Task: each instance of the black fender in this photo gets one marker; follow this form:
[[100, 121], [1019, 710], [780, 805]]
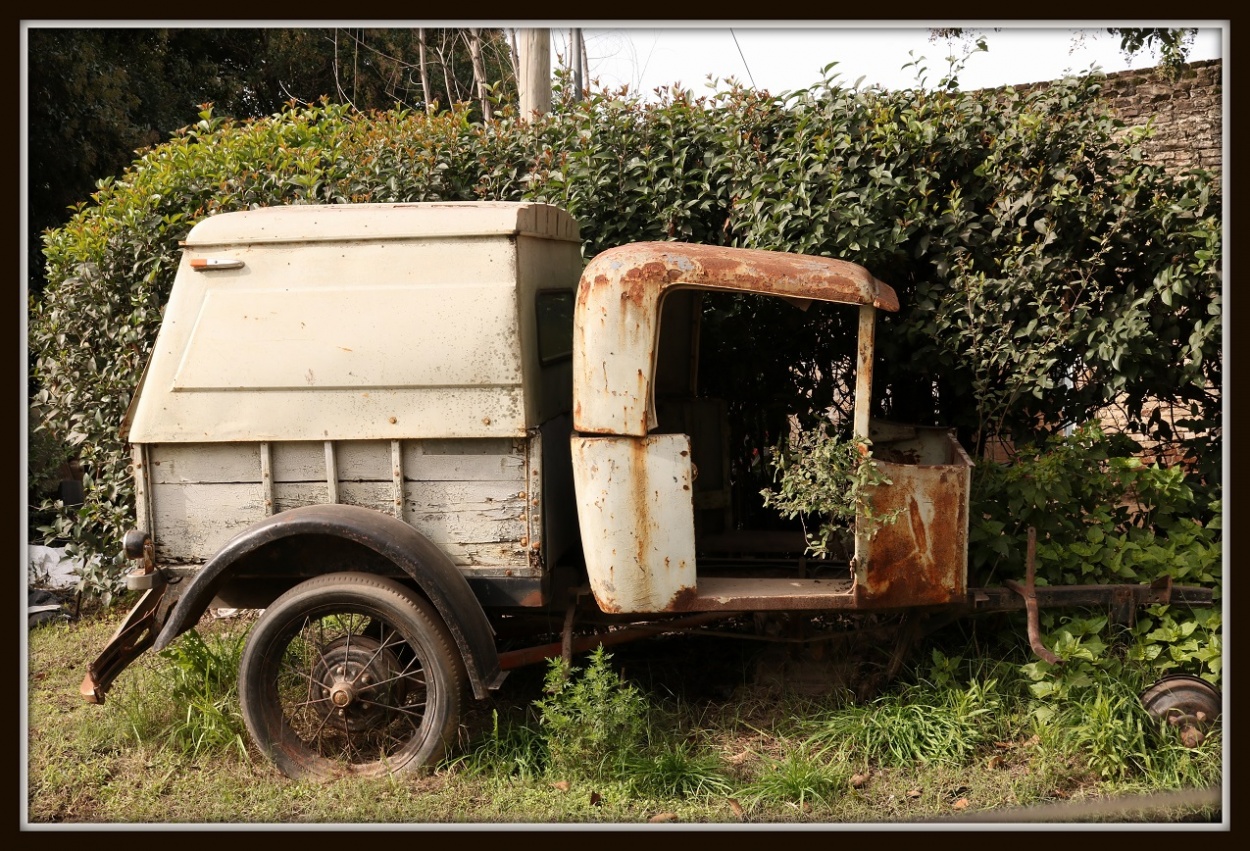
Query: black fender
[[428, 566]]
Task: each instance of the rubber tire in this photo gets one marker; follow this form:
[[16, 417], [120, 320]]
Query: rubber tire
[[378, 597]]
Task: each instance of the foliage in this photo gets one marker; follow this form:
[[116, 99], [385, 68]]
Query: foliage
[[1101, 515], [676, 770], [592, 719], [99, 94], [1161, 642], [198, 711], [45, 457], [1108, 730], [1172, 44], [83, 769], [920, 724], [832, 477], [1044, 270], [508, 750], [795, 779]]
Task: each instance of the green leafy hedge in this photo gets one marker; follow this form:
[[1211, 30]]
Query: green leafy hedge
[[1043, 268]]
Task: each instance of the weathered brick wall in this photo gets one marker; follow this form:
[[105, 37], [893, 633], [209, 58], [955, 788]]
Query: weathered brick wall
[[1188, 112]]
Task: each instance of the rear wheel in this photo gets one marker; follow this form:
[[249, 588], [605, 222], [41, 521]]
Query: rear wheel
[[1190, 705], [351, 674]]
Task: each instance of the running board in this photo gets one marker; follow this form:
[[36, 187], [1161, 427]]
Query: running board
[[733, 594]]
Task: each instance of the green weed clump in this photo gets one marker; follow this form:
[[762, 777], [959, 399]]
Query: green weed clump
[[921, 724], [592, 719], [798, 778], [679, 770], [192, 703], [593, 725]]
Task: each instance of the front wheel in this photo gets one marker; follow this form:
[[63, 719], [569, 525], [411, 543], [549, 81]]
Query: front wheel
[[350, 674]]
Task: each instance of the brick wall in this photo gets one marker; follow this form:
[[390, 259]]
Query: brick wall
[[1188, 112]]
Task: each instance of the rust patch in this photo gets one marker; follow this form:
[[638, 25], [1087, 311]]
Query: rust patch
[[921, 558], [683, 600], [651, 266]]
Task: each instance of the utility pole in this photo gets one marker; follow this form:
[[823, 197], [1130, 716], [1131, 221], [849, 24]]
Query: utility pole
[[534, 83], [575, 61]]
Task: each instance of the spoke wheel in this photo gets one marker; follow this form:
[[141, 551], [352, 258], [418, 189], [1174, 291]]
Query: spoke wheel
[[1190, 705], [350, 674]]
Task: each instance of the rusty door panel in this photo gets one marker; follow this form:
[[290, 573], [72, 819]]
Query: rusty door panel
[[635, 509], [922, 557]]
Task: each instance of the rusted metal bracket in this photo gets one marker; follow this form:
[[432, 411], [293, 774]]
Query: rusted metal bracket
[[1030, 601], [136, 634]]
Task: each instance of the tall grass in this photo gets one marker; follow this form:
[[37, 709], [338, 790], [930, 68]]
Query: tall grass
[[920, 724], [189, 700], [784, 758]]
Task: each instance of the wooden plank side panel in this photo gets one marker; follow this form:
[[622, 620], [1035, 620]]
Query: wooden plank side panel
[[474, 522], [194, 521], [204, 462], [467, 496], [422, 460]]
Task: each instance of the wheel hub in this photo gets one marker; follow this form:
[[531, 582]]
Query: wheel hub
[[356, 682]]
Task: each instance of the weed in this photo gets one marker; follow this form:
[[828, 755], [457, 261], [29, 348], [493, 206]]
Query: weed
[[592, 719], [796, 779], [508, 750], [677, 771], [1106, 728], [921, 724], [199, 711]]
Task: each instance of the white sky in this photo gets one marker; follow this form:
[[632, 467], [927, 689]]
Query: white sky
[[784, 57]]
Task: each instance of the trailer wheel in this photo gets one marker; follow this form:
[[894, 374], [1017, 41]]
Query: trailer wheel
[[1191, 705], [350, 674]]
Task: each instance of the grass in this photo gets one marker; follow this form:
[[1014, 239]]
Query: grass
[[705, 744]]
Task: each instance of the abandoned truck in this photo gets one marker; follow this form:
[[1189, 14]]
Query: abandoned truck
[[399, 430]]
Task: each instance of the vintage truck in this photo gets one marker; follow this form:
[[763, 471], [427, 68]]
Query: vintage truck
[[406, 430]]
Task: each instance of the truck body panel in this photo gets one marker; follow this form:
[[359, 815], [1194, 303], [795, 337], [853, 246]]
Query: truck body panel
[[345, 320], [636, 513], [397, 357]]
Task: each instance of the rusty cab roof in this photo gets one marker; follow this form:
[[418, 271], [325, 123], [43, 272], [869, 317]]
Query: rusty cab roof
[[617, 318]]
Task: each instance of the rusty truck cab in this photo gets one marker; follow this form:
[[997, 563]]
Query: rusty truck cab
[[642, 483]]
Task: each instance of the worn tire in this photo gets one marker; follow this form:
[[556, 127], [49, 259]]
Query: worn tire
[[351, 674]]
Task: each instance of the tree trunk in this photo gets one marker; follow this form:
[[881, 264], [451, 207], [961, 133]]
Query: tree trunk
[[585, 59], [442, 60], [515, 55], [479, 72], [534, 84], [574, 61], [425, 74]]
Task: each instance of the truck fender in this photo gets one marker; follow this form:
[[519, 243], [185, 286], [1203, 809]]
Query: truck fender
[[428, 566]]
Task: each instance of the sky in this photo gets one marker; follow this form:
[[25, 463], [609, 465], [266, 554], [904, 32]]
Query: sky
[[785, 57]]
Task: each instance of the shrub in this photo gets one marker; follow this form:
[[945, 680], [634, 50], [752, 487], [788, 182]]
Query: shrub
[[1044, 270]]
